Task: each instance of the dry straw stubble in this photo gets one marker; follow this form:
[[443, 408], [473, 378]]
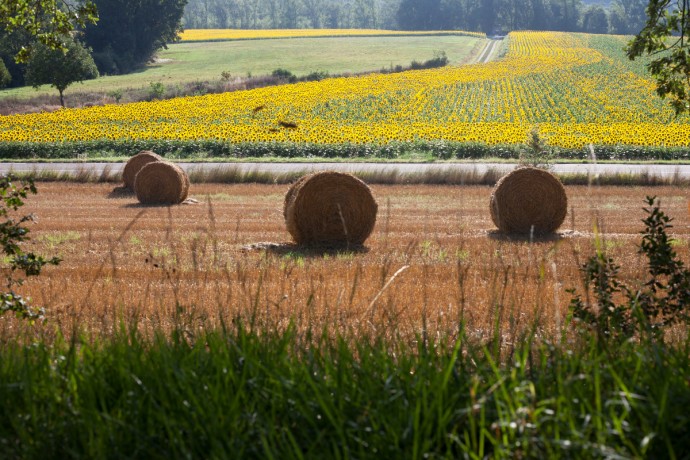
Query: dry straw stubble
[[161, 182], [528, 200], [134, 165], [330, 208]]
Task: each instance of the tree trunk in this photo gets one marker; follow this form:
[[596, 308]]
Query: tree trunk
[[62, 99]]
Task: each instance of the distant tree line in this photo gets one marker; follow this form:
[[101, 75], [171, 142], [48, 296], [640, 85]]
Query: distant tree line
[[490, 16], [291, 14]]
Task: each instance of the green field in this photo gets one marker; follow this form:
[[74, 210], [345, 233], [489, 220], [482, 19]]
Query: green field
[[189, 62]]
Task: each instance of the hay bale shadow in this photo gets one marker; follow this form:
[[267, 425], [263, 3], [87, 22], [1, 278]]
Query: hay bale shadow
[[306, 250], [188, 201], [154, 205], [121, 192], [550, 237]]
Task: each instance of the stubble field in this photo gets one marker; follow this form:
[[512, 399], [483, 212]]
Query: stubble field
[[433, 261]]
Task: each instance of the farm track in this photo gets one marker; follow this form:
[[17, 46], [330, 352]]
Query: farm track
[[122, 260], [662, 171], [488, 54]]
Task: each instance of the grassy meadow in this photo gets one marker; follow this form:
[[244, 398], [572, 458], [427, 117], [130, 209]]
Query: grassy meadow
[[189, 62]]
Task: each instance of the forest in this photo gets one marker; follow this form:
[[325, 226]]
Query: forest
[[490, 16]]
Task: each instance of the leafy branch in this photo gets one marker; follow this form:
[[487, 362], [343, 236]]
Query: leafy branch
[[13, 233]]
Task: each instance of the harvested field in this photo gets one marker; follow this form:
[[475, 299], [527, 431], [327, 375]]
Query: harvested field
[[197, 264]]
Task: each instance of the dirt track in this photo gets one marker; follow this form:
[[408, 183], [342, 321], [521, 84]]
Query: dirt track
[[402, 168]]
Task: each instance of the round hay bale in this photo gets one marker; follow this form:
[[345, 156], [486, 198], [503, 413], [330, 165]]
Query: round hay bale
[[330, 208], [528, 200], [135, 163], [291, 193], [161, 182]]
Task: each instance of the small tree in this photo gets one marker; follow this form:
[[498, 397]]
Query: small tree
[[12, 234], [60, 69], [536, 152]]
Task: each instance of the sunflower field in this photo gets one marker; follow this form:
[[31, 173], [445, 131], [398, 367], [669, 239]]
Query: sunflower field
[[576, 89], [205, 35]]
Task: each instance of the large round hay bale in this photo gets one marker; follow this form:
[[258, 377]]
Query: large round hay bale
[[135, 163], [528, 200], [330, 208], [291, 193], [161, 182]]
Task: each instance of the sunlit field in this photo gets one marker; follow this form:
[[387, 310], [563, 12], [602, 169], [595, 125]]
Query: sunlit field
[[576, 89], [253, 34], [437, 245]]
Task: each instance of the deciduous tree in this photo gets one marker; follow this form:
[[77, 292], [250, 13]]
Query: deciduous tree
[[130, 32], [665, 38], [49, 21], [58, 68]]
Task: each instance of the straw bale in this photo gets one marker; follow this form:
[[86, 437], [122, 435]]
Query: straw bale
[[528, 200], [291, 193], [135, 163], [330, 208], [161, 182]]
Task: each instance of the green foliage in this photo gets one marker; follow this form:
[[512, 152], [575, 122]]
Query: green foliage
[[60, 69], [536, 152], [130, 32], [48, 21], [443, 150], [251, 393], [156, 90], [12, 234], [116, 94], [439, 60], [621, 310], [285, 75], [5, 77], [664, 37]]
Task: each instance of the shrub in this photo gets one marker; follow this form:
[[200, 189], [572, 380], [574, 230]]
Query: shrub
[[283, 74], [646, 310], [12, 234], [156, 90]]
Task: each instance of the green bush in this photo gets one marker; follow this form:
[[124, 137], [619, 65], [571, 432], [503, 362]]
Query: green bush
[[618, 310], [13, 233]]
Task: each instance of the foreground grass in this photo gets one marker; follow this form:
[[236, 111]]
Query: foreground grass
[[238, 393]]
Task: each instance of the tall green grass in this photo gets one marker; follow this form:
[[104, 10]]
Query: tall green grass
[[243, 393]]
